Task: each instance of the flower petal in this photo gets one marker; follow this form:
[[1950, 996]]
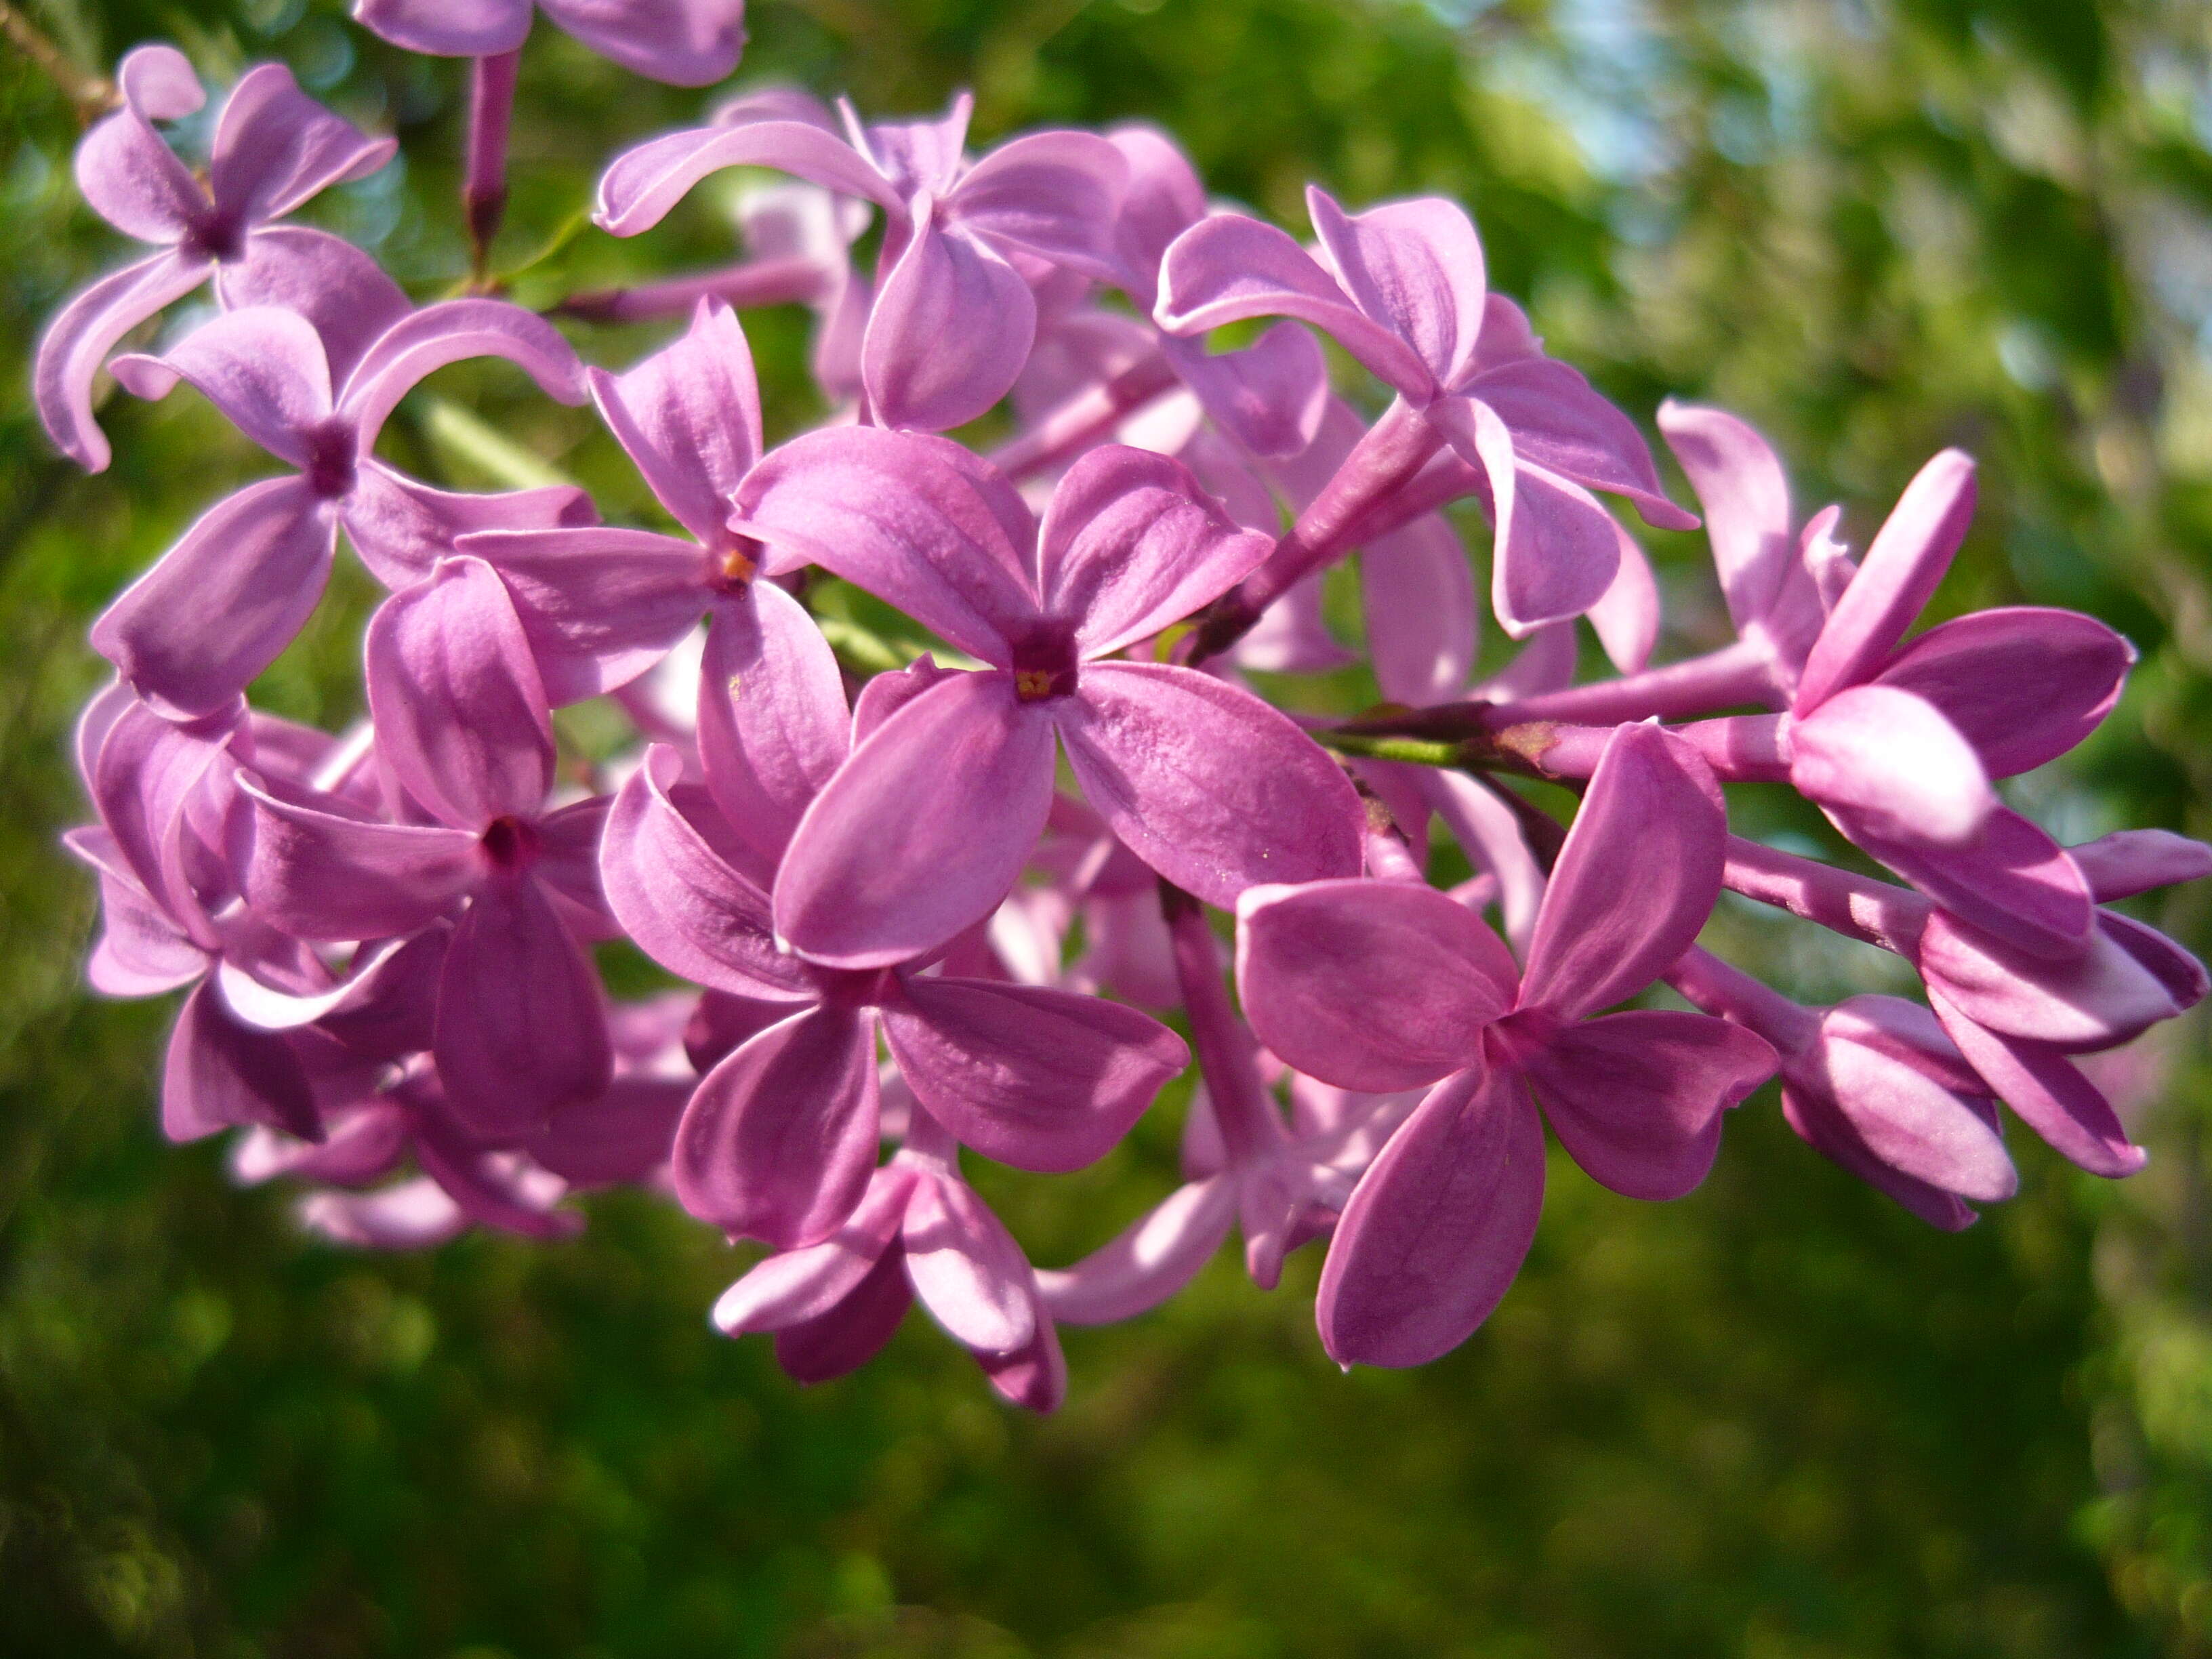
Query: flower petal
[[1638, 877], [919, 521], [77, 342], [1054, 195], [922, 831], [1042, 1079], [1561, 424], [1147, 1261], [275, 146], [460, 711], [1637, 1098], [689, 417], [793, 1287], [968, 1273], [1416, 267], [2100, 998], [219, 1074], [779, 1139], [1269, 396], [852, 1332], [447, 28], [522, 1027], [1206, 783], [2014, 881], [318, 873], [2049, 1093], [773, 727], [338, 289], [1903, 566], [1746, 495], [1369, 985], [1439, 1226], [1422, 624], [220, 605], [598, 605], [2023, 684], [1895, 764], [680, 899], [401, 527], [448, 333], [953, 325], [685, 43], [643, 183], [1132, 542]]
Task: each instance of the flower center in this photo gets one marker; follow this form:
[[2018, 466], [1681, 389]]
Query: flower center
[[329, 468], [1044, 662], [510, 844], [217, 235], [739, 563]]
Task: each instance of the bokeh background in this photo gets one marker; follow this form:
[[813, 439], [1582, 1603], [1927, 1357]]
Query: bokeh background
[[1777, 1418]]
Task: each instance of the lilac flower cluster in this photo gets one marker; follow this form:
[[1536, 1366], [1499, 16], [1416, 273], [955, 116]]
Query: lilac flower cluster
[[909, 925]]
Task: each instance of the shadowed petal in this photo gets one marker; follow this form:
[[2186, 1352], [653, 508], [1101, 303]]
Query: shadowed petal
[[85, 331], [1422, 624], [1439, 1226], [1637, 1098], [1269, 396], [780, 1138], [772, 722], [599, 605], [2050, 1096], [1561, 424], [338, 289], [953, 325], [2015, 881], [689, 415], [1555, 550], [923, 831], [401, 527], [796, 1286], [685, 43], [2131, 861], [1042, 1079], [2023, 684], [522, 1029], [1055, 195], [219, 1074], [1369, 985], [2104, 996], [275, 146], [1899, 1110], [318, 874], [852, 1332], [1206, 783]]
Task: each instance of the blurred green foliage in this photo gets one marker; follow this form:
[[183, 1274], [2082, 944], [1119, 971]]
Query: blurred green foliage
[[1777, 1418]]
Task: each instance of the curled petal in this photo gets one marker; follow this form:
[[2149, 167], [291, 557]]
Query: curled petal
[[2014, 881], [1229, 268], [1555, 550], [1206, 783], [522, 1029], [448, 333], [401, 527], [2024, 685], [619, 1138], [1900, 1110], [221, 1075], [2131, 861], [316, 873], [340, 290], [1746, 495], [460, 711], [780, 1138], [2099, 998], [919, 521], [953, 325], [1439, 1226], [1054, 195], [2050, 1095], [1891, 761], [127, 172], [679, 897], [796, 1286], [1906, 560], [685, 43], [263, 368], [1637, 876], [1042, 1079], [218, 607], [642, 185], [923, 831], [1822, 1125], [1034, 1375], [1369, 985], [275, 146], [77, 342], [599, 605], [1130, 544], [1637, 1098], [1561, 424], [1147, 1261], [852, 1332], [1269, 396], [1414, 267]]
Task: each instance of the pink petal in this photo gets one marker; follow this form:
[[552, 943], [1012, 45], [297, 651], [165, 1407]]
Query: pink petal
[[1904, 1115], [886, 693], [772, 721], [1822, 1125], [1268, 396], [1439, 1226], [1042, 1079], [779, 1139], [1891, 761], [1746, 495], [1416, 267], [323, 874], [449, 333], [1555, 550], [685, 43], [522, 1029], [598, 605], [2024, 685], [1034, 1375], [1147, 1261], [85, 331], [219, 1074], [1164, 196], [1369, 985], [793, 1287], [263, 368], [1637, 876], [497, 1189], [1226, 268], [919, 521], [1487, 830], [2102, 997], [1130, 544], [401, 527], [2014, 882], [275, 146], [680, 899], [447, 28], [1563, 427], [2130, 861], [2052, 1098], [968, 1273], [460, 713], [618, 1140], [1206, 783], [410, 1215], [922, 831], [852, 1332], [1906, 560], [1054, 195], [1422, 624], [126, 171], [221, 603], [338, 289], [1627, 617], [953, 325], [643, 183], [1637, 1098], [689, 417]]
